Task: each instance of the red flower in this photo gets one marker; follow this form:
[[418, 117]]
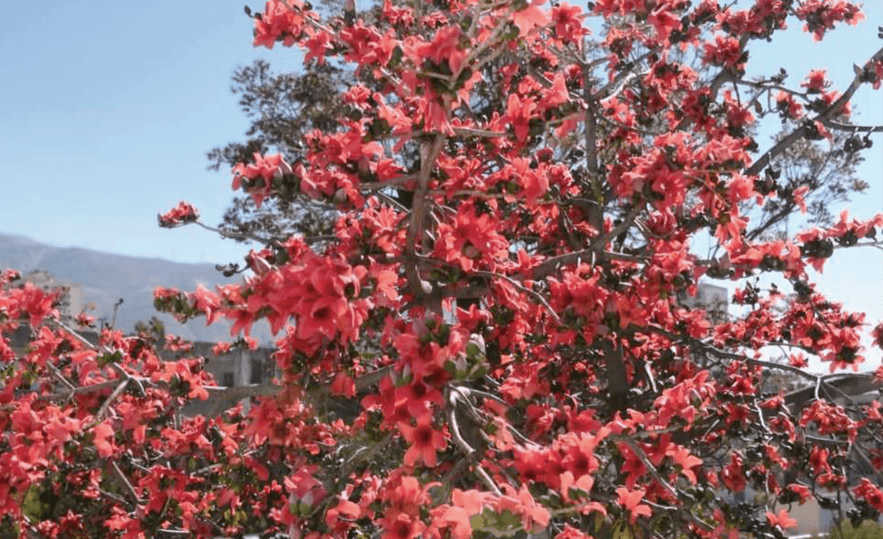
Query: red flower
[[425, 441], [783, 519], [630, 500], [103, 440], [257, 178], [821, 15], [580, 459], [417, 396], [816, 81], [530, 17], [403, 527], [801, 490], [444, 47], [568, 26], [519, 112], [818, 460], [878, 335], [278, 22], [724, 51], [181, 214], [733, 475], [456, 516], [870, 493], [787, 105], [687, 462], [798, 360], [522, 503], [34, 303]]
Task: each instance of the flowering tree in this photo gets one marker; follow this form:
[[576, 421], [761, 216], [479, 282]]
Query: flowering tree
[[491, 344], [284, 106]]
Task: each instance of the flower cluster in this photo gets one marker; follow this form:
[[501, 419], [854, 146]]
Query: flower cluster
[[257, 178], [181, 214]]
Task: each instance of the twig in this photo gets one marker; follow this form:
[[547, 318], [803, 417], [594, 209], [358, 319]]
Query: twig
[[362, 383], [795, 135], [515, 432], [534, 294], [125, 481], [398, 181], [78, 390], [722, 354], [455, 428], [665, 485], [474, 53], [636, 449], [112, 496], [760, 416], [852, 128], [613, 87], [238, 235], [106, 404], [550, 265], [595, 248], [487, 480], [61, 377], [468, 449], [77, 335], [473, 132], [32, 533]]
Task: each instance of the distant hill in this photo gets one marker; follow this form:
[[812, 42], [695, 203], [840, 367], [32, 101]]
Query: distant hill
[[106, 277]]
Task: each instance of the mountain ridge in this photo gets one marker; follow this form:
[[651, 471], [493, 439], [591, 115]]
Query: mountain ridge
[[105, 277]]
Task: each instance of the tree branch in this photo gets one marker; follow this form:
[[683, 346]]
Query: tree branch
[[453, 395], [126, 482], [832, 110], [429, 152]]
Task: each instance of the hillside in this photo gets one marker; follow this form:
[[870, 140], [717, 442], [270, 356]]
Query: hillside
[[106, 277]]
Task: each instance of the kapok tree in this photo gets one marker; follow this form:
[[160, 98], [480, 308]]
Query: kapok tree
[[491, 344]]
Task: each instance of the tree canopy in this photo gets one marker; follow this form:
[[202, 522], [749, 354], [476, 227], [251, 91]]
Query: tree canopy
[[490, 339]]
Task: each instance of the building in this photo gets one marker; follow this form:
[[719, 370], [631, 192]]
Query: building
[[71, 303], [240, 368], [714, 299]]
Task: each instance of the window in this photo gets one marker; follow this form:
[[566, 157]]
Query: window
[[257, 372], [227, 379]]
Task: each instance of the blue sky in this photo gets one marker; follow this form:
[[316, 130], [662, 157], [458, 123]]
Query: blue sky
[[852, 276], [107, 110]]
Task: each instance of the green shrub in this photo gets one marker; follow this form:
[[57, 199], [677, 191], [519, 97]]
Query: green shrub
[[867, 530]]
